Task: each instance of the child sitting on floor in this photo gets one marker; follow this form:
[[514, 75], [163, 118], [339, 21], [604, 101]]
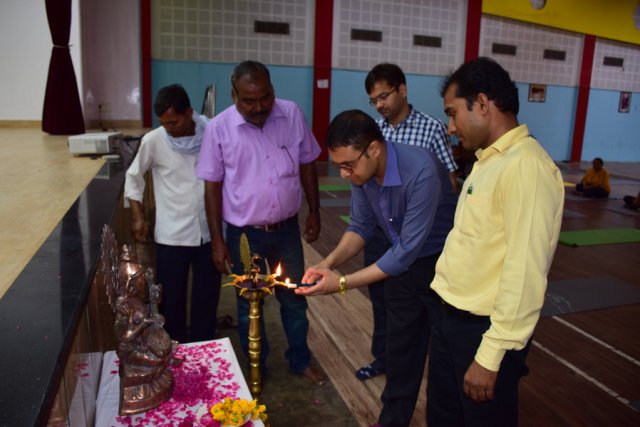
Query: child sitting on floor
[[595, 183]]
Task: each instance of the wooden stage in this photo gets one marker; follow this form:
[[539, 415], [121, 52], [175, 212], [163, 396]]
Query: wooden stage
[[585, 366], [39, 181]]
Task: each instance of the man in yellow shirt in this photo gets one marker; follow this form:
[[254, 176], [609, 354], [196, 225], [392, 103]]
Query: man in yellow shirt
[[492, 274], [595, 183]]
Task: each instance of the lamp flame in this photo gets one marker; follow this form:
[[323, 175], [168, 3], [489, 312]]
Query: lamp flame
[[289, 285], [279, 270]]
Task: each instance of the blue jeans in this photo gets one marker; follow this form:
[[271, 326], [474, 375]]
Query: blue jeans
[[278, 246]]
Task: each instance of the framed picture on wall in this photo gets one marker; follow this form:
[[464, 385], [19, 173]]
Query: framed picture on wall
[[625, 102], [537, 93]]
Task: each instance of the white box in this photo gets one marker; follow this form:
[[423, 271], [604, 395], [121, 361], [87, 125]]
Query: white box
[[93, 143]]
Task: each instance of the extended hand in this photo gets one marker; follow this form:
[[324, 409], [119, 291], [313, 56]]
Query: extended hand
[[326, 282], [479, 383]]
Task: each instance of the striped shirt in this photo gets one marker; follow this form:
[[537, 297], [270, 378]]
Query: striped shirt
[[424, 131]]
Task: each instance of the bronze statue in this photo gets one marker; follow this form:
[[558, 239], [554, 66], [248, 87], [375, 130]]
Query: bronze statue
[[144, 348]]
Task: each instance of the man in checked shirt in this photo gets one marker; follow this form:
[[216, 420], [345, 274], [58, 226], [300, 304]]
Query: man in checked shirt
[[386, 85]]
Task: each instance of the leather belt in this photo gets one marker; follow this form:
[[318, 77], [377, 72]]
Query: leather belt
[[277, 225], [454, 311]]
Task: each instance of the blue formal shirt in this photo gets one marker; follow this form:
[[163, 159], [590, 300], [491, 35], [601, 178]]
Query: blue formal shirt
[[414, 207]]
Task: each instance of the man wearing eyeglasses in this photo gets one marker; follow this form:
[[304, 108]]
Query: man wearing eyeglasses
[[406, 192], [386, 85]]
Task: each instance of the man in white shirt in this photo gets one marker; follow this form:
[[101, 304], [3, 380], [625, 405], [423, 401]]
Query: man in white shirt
[[181, 232]]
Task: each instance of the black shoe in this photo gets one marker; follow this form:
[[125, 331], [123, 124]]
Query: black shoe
[[367, 372]]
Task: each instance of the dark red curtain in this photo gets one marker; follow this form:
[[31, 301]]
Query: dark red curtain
[[62, 113]]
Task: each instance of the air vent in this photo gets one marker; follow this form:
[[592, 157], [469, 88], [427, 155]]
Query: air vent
[[271, 27], [613, 62], [428, 41], [504, 49], [556, 55], [366, 35]]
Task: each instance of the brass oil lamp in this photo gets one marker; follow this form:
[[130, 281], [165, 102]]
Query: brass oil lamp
[[254, 286]]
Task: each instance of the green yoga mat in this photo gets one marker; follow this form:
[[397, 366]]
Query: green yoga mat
[[600, 236], [345, 218], [335, 187]]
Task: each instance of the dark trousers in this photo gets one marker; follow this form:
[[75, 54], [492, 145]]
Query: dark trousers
[[172, 271], [593, 192], [454, 342], [374, 249], [409, 302]]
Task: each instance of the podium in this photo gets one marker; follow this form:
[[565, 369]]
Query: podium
[[209, 373]]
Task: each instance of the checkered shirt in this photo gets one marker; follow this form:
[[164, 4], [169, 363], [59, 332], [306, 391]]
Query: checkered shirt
[[422, 130]]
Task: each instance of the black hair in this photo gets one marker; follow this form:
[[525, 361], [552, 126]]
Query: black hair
[[484, 75], [352, 128], [171, 96], [390, 73], [599, 159], [253, 69]]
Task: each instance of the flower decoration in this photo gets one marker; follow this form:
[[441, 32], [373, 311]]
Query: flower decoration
[[237, 412]]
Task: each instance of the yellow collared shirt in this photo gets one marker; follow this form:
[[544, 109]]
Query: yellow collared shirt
[[497, 256]]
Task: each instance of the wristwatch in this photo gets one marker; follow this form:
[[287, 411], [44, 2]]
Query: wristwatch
[[342, 285]]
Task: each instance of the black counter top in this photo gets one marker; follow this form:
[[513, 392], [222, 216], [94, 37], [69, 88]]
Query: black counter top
[[39, 313]]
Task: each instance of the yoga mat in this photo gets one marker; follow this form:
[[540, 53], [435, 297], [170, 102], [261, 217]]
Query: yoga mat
[[570, 196], [622, 210], [591, 293], [567, 213], [335, 203], [335, 187], [600, 236], [346, 218]]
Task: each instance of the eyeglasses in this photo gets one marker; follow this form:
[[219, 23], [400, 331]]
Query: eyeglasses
[[382, 97], [350, 166]]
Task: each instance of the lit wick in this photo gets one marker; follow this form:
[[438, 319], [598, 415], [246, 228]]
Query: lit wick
[[289, 285], [278, 271]]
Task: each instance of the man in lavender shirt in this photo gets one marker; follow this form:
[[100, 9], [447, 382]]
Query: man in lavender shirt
[[256, 157]]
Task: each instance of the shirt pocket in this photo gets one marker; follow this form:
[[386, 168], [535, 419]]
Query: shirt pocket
[[287, 161], [475, 215]]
